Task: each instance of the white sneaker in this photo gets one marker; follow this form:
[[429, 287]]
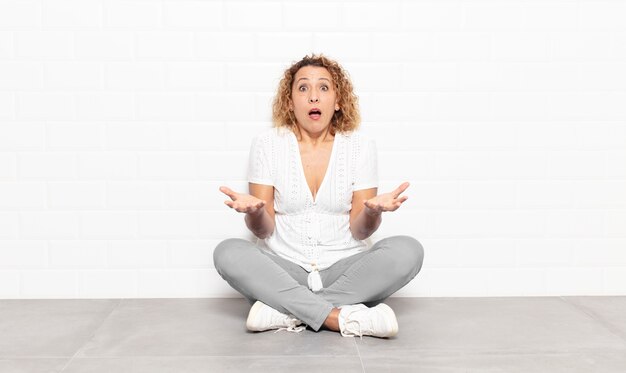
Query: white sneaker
[[379, 321], [263, 317]]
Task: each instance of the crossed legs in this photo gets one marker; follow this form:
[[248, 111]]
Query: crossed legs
[[367, 277]]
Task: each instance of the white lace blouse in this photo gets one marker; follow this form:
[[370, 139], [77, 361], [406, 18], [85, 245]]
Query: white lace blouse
[[312, 233]]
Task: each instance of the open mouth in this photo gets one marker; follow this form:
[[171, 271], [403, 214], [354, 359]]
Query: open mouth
[[315, 113]]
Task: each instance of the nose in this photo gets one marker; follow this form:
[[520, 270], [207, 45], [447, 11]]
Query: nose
[[313, 99]]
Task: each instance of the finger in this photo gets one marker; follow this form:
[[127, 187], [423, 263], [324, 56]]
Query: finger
[[396, 192], [397, 203], [229, 192], [400, 189], [375, 206], [389, 207], [369, 204], [393, 206], [241, 208], [253, 207], [229, 203]]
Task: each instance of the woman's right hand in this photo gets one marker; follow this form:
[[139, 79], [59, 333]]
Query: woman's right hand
[[241, 202]]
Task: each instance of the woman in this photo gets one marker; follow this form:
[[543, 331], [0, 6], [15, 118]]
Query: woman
[[312, 202]]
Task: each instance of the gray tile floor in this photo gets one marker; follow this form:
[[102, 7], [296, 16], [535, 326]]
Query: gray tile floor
[[547, 334]]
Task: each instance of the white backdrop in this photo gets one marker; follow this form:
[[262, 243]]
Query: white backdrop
[[120, 119]]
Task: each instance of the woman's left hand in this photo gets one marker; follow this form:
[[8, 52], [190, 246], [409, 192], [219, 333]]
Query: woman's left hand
[[387, 201]]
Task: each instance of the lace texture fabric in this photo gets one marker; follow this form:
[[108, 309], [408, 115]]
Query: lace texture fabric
[[312, 233]]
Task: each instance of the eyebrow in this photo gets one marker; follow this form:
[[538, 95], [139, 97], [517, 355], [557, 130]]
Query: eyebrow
[[303, 78]]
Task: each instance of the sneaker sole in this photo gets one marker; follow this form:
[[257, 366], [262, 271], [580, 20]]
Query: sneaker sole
[[252, 315], [393, 325]]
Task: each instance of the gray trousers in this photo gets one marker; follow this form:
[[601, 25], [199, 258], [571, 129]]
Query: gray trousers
[[368, 277]]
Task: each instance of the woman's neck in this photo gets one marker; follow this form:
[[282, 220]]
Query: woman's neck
[[313, 139]]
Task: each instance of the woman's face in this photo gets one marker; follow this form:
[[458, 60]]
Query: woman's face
[[313, 98]]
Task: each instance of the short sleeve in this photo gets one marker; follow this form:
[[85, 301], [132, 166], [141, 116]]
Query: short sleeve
[[366, 173], [259, 163]]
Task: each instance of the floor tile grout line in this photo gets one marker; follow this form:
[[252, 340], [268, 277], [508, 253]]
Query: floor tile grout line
[[522, 352], [198, 357], [596, 317], [429, 353], [80, 348], [358, 352]]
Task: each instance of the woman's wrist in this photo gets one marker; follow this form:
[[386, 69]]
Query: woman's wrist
[[256, 215], [371, 212]]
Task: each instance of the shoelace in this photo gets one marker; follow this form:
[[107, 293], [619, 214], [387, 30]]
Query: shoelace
[[349, 321], [292, 327], [353, 331]]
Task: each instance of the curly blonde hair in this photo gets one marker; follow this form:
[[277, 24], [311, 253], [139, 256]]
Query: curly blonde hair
[[346, 119]]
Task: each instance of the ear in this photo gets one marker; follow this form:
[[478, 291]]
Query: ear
[[337, 105]]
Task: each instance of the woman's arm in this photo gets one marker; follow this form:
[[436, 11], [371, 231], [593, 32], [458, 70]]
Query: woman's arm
[[367, 209], [261, 222], [363, 221], [258, 207]]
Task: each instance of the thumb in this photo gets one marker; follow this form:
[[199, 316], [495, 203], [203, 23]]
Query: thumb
[[400, 189], [229, 192]]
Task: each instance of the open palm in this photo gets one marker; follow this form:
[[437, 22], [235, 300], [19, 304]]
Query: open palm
[[242, 202], [388, 201]]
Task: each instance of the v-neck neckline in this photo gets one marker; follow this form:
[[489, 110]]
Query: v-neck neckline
[[303, 174]]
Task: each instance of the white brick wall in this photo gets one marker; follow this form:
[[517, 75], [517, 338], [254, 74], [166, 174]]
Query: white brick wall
[[120, 119]]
